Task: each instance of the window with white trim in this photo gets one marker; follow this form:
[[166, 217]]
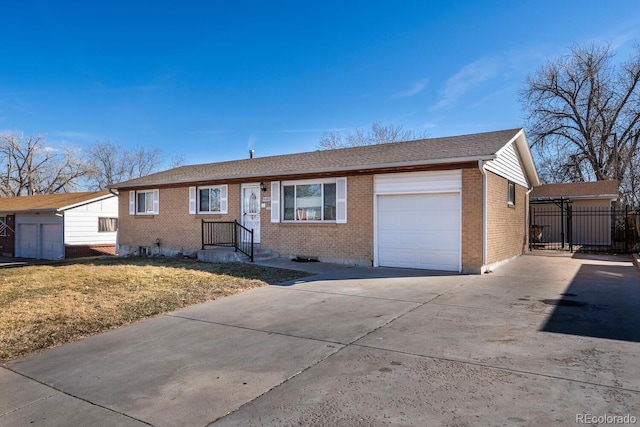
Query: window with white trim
[[210, 199], [144, 202], [313, 201]]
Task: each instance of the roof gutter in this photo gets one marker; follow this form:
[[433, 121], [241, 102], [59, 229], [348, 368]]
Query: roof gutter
[[35, 210]]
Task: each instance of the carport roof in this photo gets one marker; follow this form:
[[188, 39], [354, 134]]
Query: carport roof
[[50, 202], [432, 151], [577, 190]]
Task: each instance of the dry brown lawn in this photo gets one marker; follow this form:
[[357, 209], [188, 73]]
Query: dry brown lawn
[[42, 306]]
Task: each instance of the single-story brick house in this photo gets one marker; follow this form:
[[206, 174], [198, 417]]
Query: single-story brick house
[[58, 226], [455, 203]]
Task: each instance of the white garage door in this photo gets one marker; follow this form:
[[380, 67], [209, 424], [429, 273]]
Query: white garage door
[[419, 231], [52, 247], [27, 241], [41, 241]]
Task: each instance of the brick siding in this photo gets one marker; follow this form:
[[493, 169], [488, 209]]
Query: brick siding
[[471, 220], [507, 226], [173, 226], [351, 242], [79, 251], [179, 231]]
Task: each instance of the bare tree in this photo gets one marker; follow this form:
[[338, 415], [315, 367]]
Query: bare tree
[[32, 167], [112, 163], [378, 134], [584, 117]]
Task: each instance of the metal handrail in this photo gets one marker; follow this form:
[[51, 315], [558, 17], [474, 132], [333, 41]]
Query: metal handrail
[[228, 234]]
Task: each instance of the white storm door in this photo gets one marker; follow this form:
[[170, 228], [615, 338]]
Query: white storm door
[[251, 211]]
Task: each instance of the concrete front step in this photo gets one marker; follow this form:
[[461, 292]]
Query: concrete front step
[[225, 254]]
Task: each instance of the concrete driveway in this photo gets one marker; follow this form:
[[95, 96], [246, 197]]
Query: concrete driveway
[[540, 341]]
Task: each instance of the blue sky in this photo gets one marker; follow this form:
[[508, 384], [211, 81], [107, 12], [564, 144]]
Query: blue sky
[[209, 80]]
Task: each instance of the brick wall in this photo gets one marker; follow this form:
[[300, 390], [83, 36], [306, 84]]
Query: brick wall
[[176, 229], [471, 220], [351, 242], [507, 225], [79, 251]]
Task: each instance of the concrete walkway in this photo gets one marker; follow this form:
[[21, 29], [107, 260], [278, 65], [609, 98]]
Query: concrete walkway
[[539, 341], [15, 262]]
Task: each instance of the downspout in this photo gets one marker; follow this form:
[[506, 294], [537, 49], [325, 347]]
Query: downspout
[[484, 215], [117, 194], [527, 211], [60, 213]]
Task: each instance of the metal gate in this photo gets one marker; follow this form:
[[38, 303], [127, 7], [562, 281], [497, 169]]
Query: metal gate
[[559, 225]]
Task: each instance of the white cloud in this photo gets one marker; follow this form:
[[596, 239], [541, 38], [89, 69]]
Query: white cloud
[[467, 78], [415, 89]]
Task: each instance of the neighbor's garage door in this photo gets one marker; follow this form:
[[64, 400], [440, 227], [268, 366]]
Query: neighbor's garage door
[[419, 231], [52, 246], [42, 241], [27, 241]]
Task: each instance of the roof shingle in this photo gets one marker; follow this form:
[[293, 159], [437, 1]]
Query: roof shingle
[[593, 189], [424, 151]]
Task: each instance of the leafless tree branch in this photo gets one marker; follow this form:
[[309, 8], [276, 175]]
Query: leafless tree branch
[[378, 134], [32, 167], [111, 163], [584, 117]]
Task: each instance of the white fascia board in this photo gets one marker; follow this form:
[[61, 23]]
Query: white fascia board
[[522, 145], [86, 202]]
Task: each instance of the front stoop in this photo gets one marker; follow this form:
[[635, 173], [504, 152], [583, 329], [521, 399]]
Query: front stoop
[[225, 254]]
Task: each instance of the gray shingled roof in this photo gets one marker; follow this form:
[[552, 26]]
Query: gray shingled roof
[[593, 189], [421, 152]]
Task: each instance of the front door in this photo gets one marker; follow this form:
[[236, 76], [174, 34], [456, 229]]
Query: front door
[[251, 210]]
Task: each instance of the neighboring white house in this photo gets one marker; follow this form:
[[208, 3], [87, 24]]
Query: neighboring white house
[[58, 226]]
